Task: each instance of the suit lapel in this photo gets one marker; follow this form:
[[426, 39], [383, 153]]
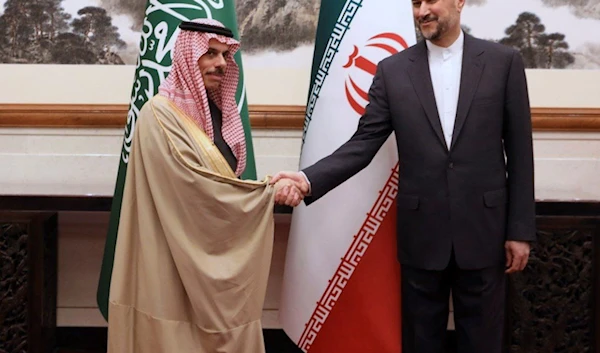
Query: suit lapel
[[421, 80], [472, 67]]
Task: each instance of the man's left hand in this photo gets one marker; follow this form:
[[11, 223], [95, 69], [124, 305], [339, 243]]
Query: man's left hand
[[287, 193], [517, 255]]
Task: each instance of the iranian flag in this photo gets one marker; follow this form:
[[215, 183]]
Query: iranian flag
[[154, 62], [341, 289]]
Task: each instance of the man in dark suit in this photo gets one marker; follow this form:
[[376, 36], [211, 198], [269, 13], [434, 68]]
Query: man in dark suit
[[460, 112]]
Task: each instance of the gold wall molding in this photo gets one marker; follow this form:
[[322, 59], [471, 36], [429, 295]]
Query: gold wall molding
[[261, 117]]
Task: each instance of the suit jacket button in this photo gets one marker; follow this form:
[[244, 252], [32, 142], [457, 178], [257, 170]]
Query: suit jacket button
[[451, 165]]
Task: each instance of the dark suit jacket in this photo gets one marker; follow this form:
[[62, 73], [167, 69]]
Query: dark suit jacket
[[468, 197]]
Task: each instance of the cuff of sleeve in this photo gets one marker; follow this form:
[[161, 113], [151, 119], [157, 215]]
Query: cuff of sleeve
[[521, 232], [308, 182]]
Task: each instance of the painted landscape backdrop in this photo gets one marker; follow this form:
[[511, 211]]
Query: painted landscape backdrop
[[550, 34]]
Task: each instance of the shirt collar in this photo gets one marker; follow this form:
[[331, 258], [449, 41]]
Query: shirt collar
[[446, 53]]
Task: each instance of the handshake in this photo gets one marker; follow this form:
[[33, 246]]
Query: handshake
[[290, 188]]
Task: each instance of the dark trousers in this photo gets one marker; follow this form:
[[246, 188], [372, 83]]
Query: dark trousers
[[478, 297]]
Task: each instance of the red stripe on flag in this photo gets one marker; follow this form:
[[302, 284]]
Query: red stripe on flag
[[359, 109], [385, 47], [393, 36], [363, 94], [359, 311]]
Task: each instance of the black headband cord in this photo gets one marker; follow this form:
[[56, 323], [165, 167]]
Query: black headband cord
[[201, 27]]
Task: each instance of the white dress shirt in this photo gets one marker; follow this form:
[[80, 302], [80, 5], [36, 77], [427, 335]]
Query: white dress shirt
[[445, 66]]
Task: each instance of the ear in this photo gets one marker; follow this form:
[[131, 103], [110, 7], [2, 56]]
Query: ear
[[460, 4]]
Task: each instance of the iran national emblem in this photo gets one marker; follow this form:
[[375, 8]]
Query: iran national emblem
[[362, 66]]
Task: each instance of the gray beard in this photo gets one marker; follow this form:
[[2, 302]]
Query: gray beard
[[441, 29]]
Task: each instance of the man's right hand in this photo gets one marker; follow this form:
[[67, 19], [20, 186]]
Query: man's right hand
[[290, 196]]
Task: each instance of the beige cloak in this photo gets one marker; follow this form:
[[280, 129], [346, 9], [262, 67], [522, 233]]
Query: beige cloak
[[193, 248]]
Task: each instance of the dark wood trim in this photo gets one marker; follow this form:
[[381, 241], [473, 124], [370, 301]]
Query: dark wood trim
[[58, 203], [55, 203], [93, 340], [558, 209], [81, 339], [596, 290], [261, 116]]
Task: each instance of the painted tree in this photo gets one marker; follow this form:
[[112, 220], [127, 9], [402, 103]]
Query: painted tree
[[29, 28], [553, 51], [18, 31], [523, 35], [539, 49], [48, 19], [71, 48], [57, 20], [95, 26], [3, 40]]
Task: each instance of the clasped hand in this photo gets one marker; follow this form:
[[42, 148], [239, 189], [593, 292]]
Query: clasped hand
[[290, 188]]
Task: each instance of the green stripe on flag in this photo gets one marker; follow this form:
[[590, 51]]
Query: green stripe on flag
[[154, 62], [335, 17]]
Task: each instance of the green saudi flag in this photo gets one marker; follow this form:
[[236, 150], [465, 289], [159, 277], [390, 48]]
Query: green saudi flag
[[154, 62]]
